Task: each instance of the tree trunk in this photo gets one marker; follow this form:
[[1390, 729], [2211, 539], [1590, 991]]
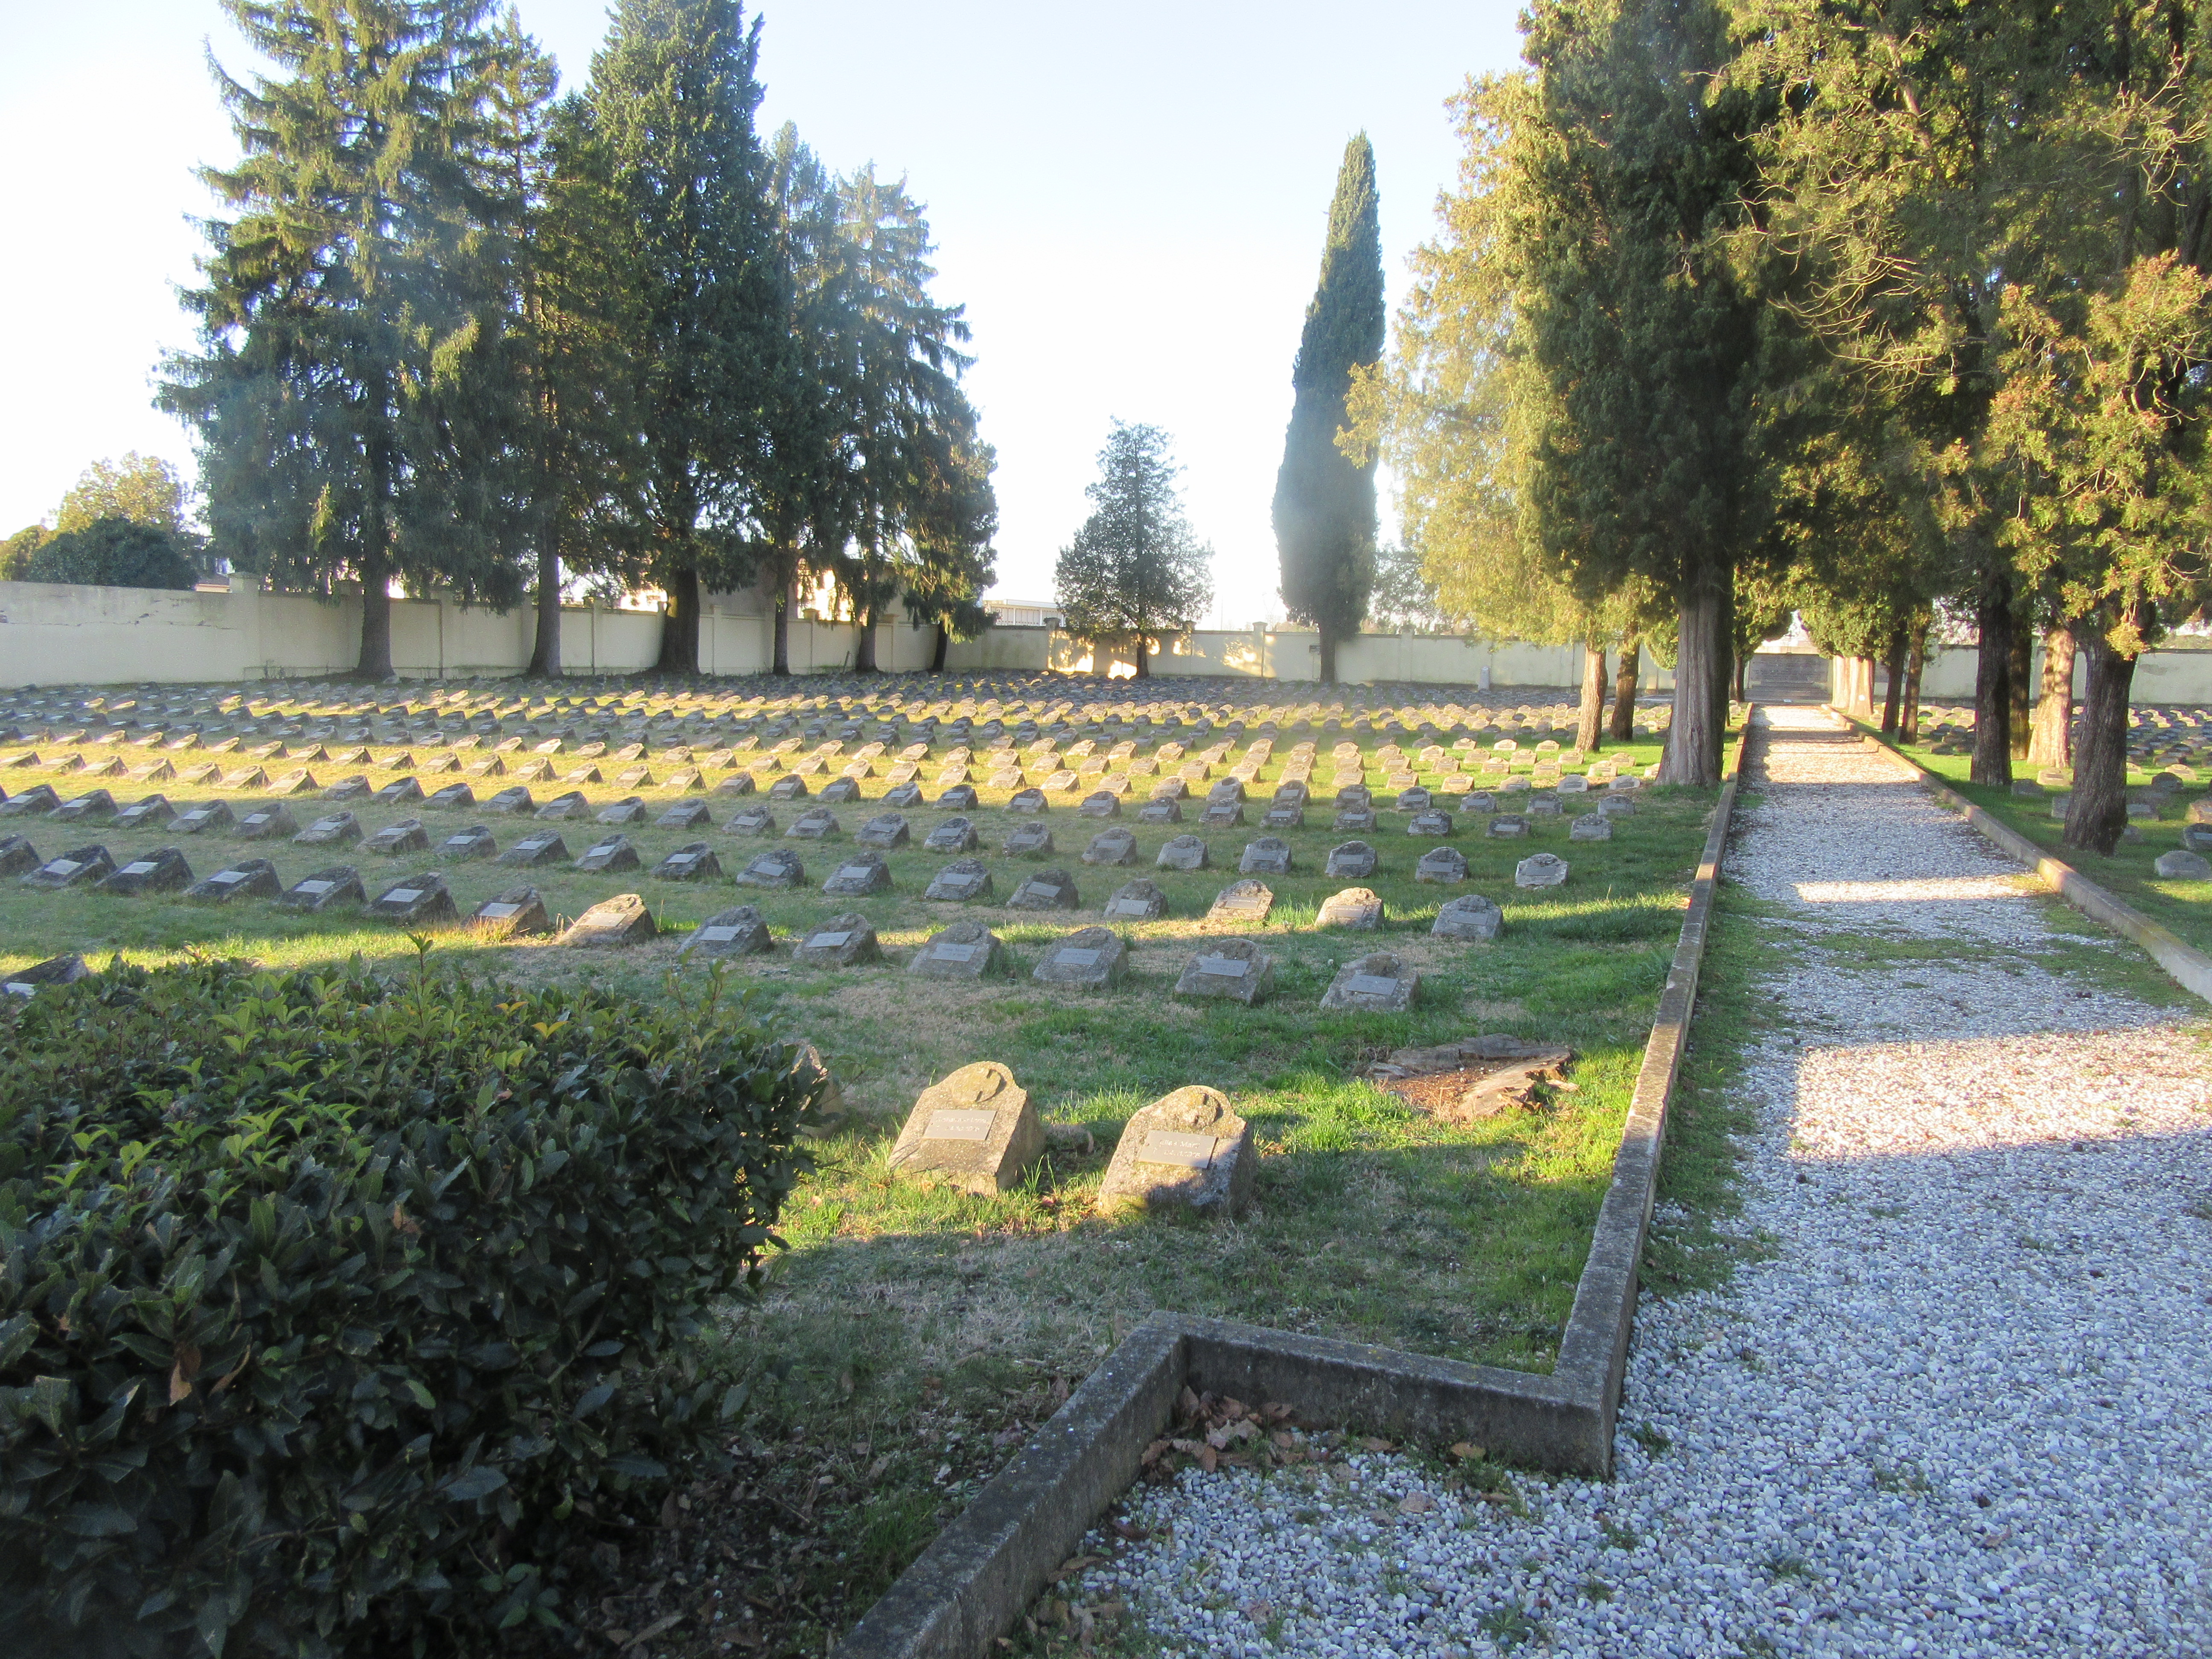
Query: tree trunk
[[2050, 737], [1693, 738], [1328, 653], [546, 653], [1145, 661], [2021, 686], [864, 648], [375, 663], [1908, 716], [1724, 660], [780, 662], [679, 628], [1892, 698], [2098, 810], [1743, 676], [1623, 689], [1589, 718], [944, 645], [1992, 762]]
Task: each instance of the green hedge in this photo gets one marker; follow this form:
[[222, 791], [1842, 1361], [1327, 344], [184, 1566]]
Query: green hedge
[[342, 1314]]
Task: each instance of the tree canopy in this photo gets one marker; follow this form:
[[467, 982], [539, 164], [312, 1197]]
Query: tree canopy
[[1134, 571]]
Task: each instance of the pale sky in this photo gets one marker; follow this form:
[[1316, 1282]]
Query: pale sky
[[1129, 200]]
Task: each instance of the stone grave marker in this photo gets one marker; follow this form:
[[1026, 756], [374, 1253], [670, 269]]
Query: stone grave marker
[[789, 787], [1507, 826], [1030, 801], [1429, 824], [963, 950], [976, 1130], [407, 836], [839, 942], [884, 832], [1539, 870], [751, 821], [1184, 852], [1270, 855], [1090, 958], [815, 823], [1545, 805], [353, 788], [905, 794], [148, 814], [1110, 847], [299, 781], [94, 806], [738, 930], [1223, 814], [465, 845], [268, 823], [152, 771], [1047, 890], [162, 871], [324, 890], [620, 921], [1247, 901], [960, 798], [1160, 812], [572, 804], [1028, 841], [247, 878], [1590, 826], [64, 969], [685, 780], [1573, 784], [400, 790], [515, 799], [736, 783], [1100, 804], [491, 767], [1186, 1150], [1355, 908], [416, 900], [207, 815], [862, 872], [960, 882], [2182, 865], [1352, 859], [514, 914], [1170, 789], [1441, 864], [1235, 968], [1470, 916], [777, 869], [953, 836], [1618, 806], [838, 790], [693, 861], [1414, 799], [1355, 819], [585, 774], [246, 777], [2197, 837], [1378, 982], [204, 773], [1136, 901], [685, 815], [629, 809], [17, 855], [610, 856], [542, 846]]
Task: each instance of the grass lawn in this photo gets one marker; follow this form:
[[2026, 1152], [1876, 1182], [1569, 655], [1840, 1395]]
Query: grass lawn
[[2183, 908], [910, 1338]]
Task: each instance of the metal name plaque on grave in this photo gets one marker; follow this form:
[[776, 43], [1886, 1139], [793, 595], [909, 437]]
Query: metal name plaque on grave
[[495, 911], [228, 877], [827, 941], [63, 867], [856, 873], [1372, 985], [1242, 902], [956, 953], [1180, 1151], [143, 867], [717, 935], [403, 896], [1127, 908], [1223, 967], [1079, 959], [603, 847], [1045, 890], [950, 1125], [308, 886]]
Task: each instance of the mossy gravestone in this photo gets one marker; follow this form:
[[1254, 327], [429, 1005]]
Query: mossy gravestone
[[248, 878], [1352, 859], [884, 832], [1441, 864], [839, 942], [208, 815], [1186, 1150], [693, 861], [340, 829], [860, 875], [81, 866], [962, 952], [1269, 856], [416, 900], [95, 806], [1379, 983], [752, 820], [1355, 906], [1090, 958], [1110, 847], [1471, 917], [1184, 852], [544, 846], [515, 912], [1047, 890], [1137, 901], [17, 855], [685, 815], [408, 835], [816, 824], [1541, 870], [324, 890], [737, 932], [514, 800], [1247, 900], [1234, 969], [622, 919], [960, 882], [162, 871], [615, 853], [468, 845], [976, 1130]]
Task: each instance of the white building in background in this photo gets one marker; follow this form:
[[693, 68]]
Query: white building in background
[[1025, 613]]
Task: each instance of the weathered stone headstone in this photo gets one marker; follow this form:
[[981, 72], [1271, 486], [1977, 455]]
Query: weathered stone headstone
[[1100, 804], [1223, 814], [2183, 867], [1026, 800], [975, 1131], [1186, 1150], [572, 804], [1507, 826], [325, 890], [147, 814], [625, 918], [752, 820], [953, 836], [1355, 906], [1378, 982], [960, 798], [162, 871], [1430, 824], [1028, 841], [1539, 870], [207, 815], [408, 835], [815, 823], [1090, 958], [1047, 890], [2197, 837], [247, 878], [963, 950], [1110, 847], [737, 932], [64, 969], [17, 855], [398, 791], [839, 941], [960, 882], [1590, 826], [685, 815], [95, 806], [515, 914], [268, 823], [1441, 864], [777, 869], [1184, 852], [515, 799], [246, 777], [862, 872], [353, 788], [416, 900], [629, 809], [737, 783], [1235, 968], [613, 854], [1618, 806], [1160, 812], [1136, 901], [693, 861], [39, 798], [1247, 902], [1270, 855], [789, 787], [838, 790], [884, 832], [1355, 819], [544, 846]]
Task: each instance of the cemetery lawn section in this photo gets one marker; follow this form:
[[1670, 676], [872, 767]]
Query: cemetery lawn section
[[911, 1337], [2183, 908]]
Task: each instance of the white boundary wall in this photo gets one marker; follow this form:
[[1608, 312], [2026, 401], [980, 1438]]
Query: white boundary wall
[[2179, 674]]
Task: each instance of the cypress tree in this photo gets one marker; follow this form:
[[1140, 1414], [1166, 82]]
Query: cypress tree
[[1324, 509], [347, 307]]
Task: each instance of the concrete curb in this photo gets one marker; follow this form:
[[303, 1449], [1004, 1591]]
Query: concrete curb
[[973, 1580], [2188, 967]]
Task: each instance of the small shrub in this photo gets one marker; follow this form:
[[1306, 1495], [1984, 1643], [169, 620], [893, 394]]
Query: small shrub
[[339, 1314]]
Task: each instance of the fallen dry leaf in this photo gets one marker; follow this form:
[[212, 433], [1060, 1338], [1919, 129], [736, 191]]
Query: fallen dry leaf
[[1416, 1503], [1466, 1450]]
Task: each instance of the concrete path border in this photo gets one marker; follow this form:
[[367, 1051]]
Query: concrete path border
[[971, 1585], [2188, 967]]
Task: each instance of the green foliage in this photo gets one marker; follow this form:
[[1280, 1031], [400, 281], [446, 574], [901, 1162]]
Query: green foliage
[[338, 1313], [115, 552], [15, 552], [1324, 508], [1135, 570], [143, 488]]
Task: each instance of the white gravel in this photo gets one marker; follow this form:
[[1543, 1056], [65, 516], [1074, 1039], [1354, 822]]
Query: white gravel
[[1960, 1409]]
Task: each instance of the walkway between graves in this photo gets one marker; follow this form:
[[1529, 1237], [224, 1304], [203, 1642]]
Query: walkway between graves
[[1957, 1407]]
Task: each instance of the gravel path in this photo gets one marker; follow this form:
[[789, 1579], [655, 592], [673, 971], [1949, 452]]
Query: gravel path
[[1960, 1409]]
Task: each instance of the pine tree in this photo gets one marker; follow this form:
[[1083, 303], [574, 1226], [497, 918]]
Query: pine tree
[[1324, 509], [347, 307], [701, 322], [1134, 571]]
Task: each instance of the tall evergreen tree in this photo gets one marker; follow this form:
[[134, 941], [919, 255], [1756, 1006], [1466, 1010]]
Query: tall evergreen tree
[[1134, 571], [347, 307], [702, 327], [1324, 509]]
